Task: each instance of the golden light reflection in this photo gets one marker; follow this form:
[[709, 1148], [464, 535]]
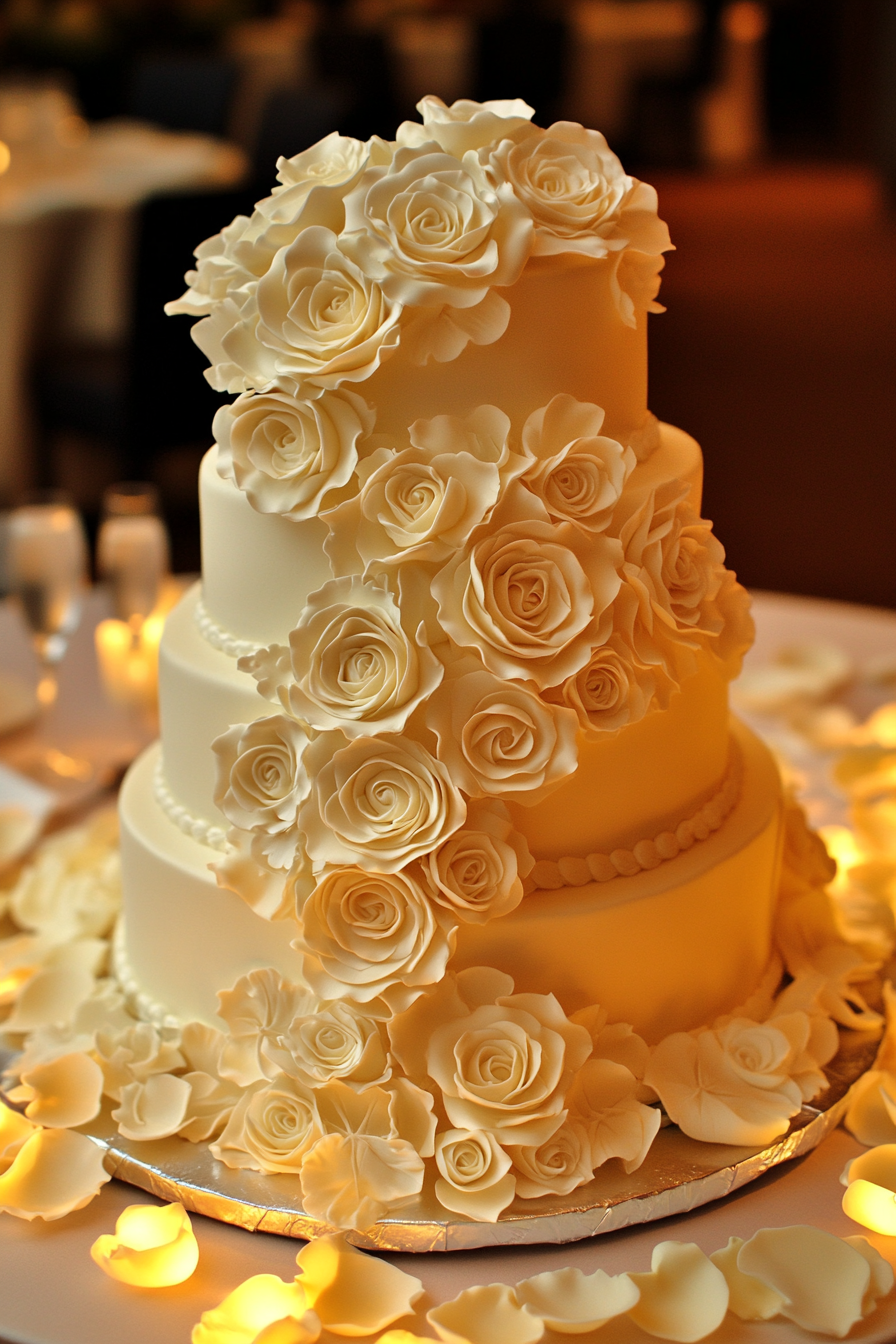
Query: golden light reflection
[[262, 1310], [12, 982], [842, 845], [5, 156], [152, 1247], [128, 654], [871, 1205]]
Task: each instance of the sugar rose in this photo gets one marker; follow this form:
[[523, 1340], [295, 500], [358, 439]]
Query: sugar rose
[[499, 738], [287, 454], [335, 1042], [561, 1164], [432, 231], [466, 124], [613, 688], [474, 1174], [316, 321], [261, 781], [379, 802], [477, 873], [505, 1067], [414, 506], [576, 472], [271, 1128], [731, 1084], [359, 660], [580, 198], [373, 935], [528, 597]]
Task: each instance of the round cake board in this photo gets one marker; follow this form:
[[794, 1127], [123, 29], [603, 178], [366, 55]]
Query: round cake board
[[678, 1174]]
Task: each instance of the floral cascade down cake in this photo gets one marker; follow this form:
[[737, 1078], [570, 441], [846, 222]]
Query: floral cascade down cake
[[451, 867]]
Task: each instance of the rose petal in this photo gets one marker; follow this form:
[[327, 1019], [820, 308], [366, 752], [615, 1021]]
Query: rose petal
[[822, 1279], [15, 1130], [248, 1313], [154, 1109], [871, 1205], [684, 1296], [353, 1293], [571, 1302], [54, 1172], [749, 1298], [487, 1314], [63, 1093], [877, 1165], [153, 1247], [882, 1276], [352, 1180], [867, 1116]]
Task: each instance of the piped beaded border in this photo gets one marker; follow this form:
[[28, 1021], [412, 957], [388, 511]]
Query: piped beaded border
[[141, 1004], [218, 637], [204, 832], [551, 875]]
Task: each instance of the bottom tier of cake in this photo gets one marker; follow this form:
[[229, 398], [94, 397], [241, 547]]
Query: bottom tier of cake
[[664, 950]]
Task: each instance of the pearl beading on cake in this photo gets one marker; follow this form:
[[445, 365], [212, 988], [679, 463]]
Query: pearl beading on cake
[[550, 875], [204, 832], [146, 1009], [219, 638]]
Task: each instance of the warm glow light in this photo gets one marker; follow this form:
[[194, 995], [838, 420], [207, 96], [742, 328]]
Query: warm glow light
[[880, 729], [12, 982], [745, 21], [152, 1247], [263, 1308], [5, 156], [128, 655], [842, 846], [871, 1205]]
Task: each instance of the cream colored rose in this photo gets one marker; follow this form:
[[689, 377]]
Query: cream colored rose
[[257, 1011], [287, 455], [466, 124], [359, 660], [261, 780], [580, 198], [484, 434], [413, 506], [673, 572], [478, 872], [613, 689], [528, 597], [271, 873], [370, 935], [559, 1165], [474, 1174], [315, 321], [133, 1055], [271, 1128], [335, 1042], [379, 802], [334, 162], [498, 738], [505, 1067], [433, 231], [577, 473], [732, 1084]]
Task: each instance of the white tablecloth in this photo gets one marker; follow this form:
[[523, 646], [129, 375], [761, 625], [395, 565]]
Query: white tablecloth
[[51, 1293]]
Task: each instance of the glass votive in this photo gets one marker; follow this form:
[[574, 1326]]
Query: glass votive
[[132, 549]]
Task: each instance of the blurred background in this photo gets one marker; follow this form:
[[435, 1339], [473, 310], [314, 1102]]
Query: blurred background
[[132, 129]]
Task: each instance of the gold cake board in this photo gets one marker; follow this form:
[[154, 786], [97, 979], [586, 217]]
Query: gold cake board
[[679, 1174]]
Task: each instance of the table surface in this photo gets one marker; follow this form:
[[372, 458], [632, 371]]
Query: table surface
[[51, 1292]]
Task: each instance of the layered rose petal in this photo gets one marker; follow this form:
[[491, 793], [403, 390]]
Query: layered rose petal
[[261, 780], [255, 1310], [316, 320], [287, 455], [271, 1128], [133, 1054], [373, 935], [577, 473], [467, 124], [155, 1109], [474, 1174], [573, 1303], [559, 1165], [613, 689], [378, 802], [500, 739], [477, 874], [528, 598], [351, 1181], [258, 1011], [432, 231], [337, 1042], [359, 660], [61, 1094], [683, 1297], [487, 1314]]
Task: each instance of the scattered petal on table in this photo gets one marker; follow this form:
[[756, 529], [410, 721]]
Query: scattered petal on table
[[684, 1296], [354, 1293], [262, 1310], [877, 1165], [15, 1130], [868, 1116], [823, 1280], [54, 1172], [882, 1276], [155, 1109], [487, 1314], [571, 1302], [63, 1093], [153, 1247], [749, 1298], [874, 1206]]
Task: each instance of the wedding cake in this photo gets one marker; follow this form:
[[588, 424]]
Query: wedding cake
[[451, 857]]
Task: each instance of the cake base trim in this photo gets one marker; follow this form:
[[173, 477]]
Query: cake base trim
[[678, 1174]]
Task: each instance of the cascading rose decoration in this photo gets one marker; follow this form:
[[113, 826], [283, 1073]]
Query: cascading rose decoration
[[501, 591]]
